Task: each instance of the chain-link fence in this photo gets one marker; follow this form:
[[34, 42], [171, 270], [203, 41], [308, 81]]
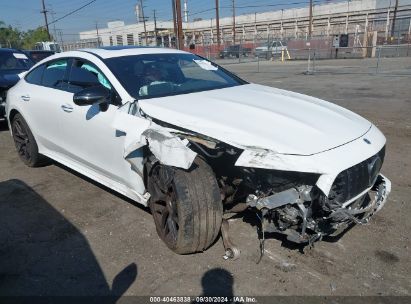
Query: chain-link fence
[[319, 52]]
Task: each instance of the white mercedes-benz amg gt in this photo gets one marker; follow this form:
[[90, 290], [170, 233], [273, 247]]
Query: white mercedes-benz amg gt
[[182, 135]]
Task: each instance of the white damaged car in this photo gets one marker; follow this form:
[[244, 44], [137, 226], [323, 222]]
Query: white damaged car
[[192, 141]]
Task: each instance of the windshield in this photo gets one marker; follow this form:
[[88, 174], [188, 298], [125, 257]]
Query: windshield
[[14, 61], [158, 75]]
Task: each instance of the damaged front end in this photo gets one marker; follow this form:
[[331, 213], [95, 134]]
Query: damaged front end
[[290, 202], [302, 197], [305, 214]]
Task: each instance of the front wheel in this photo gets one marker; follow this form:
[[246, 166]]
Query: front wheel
[[25, 143], [186, 206]]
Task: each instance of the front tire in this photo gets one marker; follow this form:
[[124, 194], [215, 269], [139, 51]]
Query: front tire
[[25, 143], [186, 206]]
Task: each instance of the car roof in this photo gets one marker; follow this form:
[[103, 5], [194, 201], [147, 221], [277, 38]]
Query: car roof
[[9, 50], [38, 51], [111, 52], [120, 51]]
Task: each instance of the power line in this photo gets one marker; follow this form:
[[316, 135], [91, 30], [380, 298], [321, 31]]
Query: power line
[[72, 12]]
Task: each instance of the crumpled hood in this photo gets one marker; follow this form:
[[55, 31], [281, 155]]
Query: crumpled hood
[[260, 117]]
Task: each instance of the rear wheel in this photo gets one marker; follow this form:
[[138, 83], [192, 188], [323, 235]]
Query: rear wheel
[[186, 206], [25, 143]]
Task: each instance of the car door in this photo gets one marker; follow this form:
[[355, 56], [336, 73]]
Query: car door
[[41, 96], [89, 138]]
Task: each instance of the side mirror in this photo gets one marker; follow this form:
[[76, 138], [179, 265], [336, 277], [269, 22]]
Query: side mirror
[[92, 95]]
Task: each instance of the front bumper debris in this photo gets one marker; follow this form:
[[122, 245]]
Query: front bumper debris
[[378, 196], [306, 221]]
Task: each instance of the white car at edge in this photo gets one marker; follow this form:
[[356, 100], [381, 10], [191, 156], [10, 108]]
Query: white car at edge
[[193, 141]]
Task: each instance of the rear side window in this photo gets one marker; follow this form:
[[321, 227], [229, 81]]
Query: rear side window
[[84, 74], [35, 76], [14, 60], [54, 73]]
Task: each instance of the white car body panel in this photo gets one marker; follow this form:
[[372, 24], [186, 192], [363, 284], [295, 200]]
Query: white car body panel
[[98, 152], [276, 129], [258, 116], [101, 160]]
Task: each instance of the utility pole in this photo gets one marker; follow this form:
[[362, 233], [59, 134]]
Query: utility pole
[[233, 4], [98, 36], [155, 26], [217, 19], [61, 39], [310, 26], [173, 3], [179, 37], [185, 11], [144, 22], [394, 17], [44, 11], [53, 15]]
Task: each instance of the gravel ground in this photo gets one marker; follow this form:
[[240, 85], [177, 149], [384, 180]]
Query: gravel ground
[[62, 234]]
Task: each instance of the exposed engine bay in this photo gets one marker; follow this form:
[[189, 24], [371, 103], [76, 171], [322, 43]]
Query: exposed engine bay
[[289, 202]]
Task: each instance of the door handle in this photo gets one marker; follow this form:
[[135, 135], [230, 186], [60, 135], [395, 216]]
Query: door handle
[[25, 97], [67, 108]]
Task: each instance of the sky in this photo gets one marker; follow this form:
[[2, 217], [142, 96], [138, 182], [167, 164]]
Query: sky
[[25, 14]]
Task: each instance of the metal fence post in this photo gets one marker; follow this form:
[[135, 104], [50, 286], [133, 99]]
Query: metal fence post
[[378, 60], [309, 61], [258, 64], [314, 62], [240, 50]]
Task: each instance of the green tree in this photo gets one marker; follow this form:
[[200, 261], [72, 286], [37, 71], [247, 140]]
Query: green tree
[[30, 37], [13, 38], [9, 36]]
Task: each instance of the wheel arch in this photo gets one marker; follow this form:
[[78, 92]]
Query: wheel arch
[[12, 114]]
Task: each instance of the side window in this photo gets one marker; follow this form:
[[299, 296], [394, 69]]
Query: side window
[[54, 73], [35, 76], [84, 74]]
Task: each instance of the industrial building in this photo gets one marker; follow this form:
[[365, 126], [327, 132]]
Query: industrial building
[[354, 17]]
